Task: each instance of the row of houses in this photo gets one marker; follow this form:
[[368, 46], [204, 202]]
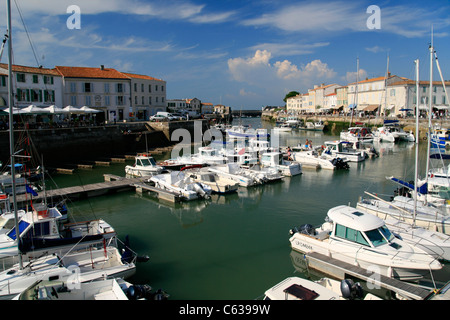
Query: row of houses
[[387, 96], [121, 96]]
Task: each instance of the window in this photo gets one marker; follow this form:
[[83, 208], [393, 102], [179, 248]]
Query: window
[[35, 78], [48, 79], [156, 99], [36, 95], [424, 89], [119, 87], [135, 87], [162, 88], [376, 237], [392, 92], [73, 87], [142, 87], [119, 100], [41, 229], [49, 96], [149, 100], [149, 88], [20, 77], [443, 100], [107, 101], [156, 87], [87, 87], [135, 100], [88, 100], [106, 87], [142, 101], [350, 234]]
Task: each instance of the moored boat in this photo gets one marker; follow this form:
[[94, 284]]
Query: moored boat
[[363, 239]]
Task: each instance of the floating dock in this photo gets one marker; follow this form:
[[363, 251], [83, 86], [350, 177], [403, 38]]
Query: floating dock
[[161, 193], [341, 270]]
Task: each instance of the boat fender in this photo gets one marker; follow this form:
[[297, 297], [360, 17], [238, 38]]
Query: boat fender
[[293, 231], [351, 290]]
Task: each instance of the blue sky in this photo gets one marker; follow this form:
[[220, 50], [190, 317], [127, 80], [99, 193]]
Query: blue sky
[[244, 54]]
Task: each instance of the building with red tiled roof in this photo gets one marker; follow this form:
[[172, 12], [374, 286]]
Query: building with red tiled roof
[[104, 89], [31, 85], [148, 95]]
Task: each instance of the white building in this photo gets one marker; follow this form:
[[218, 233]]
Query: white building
[[401, 96], [371, 95], [176, 105], [105, 89], [41, 87], [330, 102], [148, 96]]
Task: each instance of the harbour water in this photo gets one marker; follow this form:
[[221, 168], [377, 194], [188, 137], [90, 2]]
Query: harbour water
[[236, 246]]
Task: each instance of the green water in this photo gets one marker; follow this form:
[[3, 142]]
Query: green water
[[236, 246]]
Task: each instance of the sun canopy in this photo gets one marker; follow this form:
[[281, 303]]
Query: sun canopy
[[34, 110], [55, 109], [72, 109], [89, 110]]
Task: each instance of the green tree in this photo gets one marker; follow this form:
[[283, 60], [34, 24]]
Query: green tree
[[290, 94]]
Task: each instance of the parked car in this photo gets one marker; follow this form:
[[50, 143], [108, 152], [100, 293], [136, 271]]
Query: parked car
[[159, 118], [178, 116]]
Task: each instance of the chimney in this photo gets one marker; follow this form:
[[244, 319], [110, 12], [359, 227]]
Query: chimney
[[102, 67]]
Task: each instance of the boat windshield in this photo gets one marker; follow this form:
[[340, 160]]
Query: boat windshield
[[377, 236], [148, 162]]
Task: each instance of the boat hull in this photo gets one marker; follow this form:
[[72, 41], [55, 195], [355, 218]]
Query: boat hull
[[366, 259]]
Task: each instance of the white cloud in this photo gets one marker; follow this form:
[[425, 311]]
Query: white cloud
[[289, 49], [350, 16], [257, 70], [350, 76], [376, 49]]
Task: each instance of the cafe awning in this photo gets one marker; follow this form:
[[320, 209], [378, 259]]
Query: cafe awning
[[371, 107]]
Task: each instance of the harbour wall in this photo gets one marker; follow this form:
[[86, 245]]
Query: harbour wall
[[77, 144]]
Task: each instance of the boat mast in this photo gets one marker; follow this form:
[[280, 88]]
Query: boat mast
[[356, 91], [385, 88], [430, 110], [417, 142], [11, 127]]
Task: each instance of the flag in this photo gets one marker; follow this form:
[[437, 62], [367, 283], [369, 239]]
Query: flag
[[242, 151], [30, 190]]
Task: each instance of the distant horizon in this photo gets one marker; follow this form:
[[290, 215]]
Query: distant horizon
[[240, 54]]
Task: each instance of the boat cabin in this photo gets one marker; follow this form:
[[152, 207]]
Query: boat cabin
[[145, 161], [358, 227], [272, 159]]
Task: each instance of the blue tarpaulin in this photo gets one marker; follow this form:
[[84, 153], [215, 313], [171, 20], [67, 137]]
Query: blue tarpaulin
[[422, 189]]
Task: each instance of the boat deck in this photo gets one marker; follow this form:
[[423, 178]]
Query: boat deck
[[342, 270]]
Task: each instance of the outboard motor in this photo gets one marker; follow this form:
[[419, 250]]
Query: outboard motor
[[307, 229], [144, 291], [293, 231], [351, 290]]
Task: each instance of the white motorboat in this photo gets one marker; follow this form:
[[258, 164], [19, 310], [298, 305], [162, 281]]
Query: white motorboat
[[144, 166], [76, 268], [343, 149], [103, 289], [275, 160], [234, 172], [264, 174], [246, 132], [208, 155], [362, 239], [296, 288], [382, 134], [284, 127], [218, 184], [313, 126], [182, 185], [362, 134], [402, 208], [312, 158]]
